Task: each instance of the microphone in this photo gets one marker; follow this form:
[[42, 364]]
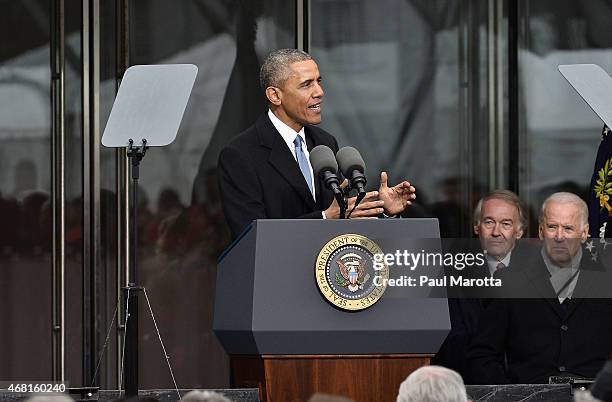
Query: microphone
[[325, 166], [352, 167]]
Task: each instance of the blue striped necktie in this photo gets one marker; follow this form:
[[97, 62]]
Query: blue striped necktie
[[301, 159]]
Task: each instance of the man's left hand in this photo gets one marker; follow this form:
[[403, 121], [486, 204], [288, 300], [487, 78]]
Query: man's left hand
[[396, 198]]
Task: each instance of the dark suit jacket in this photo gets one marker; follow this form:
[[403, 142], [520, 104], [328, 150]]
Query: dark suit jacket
[[260, 179], [465, 307], [464, 312], [536, 337]]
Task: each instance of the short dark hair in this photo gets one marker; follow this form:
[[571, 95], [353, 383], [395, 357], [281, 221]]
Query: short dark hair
[[274, 70]]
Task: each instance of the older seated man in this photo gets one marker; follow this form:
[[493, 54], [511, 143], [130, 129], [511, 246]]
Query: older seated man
[[499, 222], [564, 332]]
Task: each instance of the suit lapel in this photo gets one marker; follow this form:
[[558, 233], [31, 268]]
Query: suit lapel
[[282, 159], [539, 277], [587, 282], [589, 277]]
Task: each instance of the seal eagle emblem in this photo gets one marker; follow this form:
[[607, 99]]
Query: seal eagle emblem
[[352, 269], [344, 272]]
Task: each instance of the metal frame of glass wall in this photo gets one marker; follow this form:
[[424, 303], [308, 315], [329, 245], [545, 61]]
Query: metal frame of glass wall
[[90, 70]]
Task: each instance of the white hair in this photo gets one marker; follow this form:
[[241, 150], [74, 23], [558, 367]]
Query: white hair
[[322, 397], [204, 396], [432, 384], [585, 396], [49, 398], [567, 198]]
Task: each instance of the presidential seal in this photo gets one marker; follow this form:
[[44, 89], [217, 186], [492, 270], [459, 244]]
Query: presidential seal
[[345, 272]]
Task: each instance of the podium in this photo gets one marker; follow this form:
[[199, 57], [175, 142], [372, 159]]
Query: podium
[[286, 339]]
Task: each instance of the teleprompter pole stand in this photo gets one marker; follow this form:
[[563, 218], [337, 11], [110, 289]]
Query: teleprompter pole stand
[[150, 103], [130, 372]]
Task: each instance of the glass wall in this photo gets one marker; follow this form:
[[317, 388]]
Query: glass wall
[[559, 132], [406, 84], [74, 191], [25, 191], [182, 229], [106, 293]]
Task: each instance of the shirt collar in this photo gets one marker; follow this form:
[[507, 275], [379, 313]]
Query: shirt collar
[[493, 262], [285, 131]]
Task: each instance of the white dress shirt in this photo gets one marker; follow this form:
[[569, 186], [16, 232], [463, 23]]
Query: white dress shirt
[[493, 262], [288, 135]]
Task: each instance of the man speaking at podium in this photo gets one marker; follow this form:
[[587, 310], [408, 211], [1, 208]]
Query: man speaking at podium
[[265, 172]]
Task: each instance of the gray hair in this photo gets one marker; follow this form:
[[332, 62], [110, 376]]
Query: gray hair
[[567, 198], [432, 384], [275, 69], [585, 396], [322, 397], [503, 195], [49, 398], [204, 396]]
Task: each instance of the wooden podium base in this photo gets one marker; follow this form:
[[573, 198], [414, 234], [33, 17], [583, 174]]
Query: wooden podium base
[[288, 378]]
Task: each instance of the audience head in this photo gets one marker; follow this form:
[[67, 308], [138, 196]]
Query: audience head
[[585, 396], [50, 398], [601, 390], [564, 225], [499, 221], [204, 396], [432, 384], [321, 397]]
